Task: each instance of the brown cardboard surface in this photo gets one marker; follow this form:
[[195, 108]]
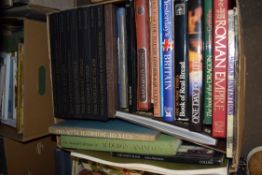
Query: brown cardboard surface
[[64, 4], [38, 114], [35, 158], [37, 108], [252, 36]]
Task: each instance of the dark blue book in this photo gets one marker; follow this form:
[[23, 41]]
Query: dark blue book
[[114, 128], [62, 162]]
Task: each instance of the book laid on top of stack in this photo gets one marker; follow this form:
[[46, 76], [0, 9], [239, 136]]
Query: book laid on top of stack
[[114, 128]]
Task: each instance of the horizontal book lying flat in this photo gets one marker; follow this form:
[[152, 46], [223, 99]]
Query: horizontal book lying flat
[[185, 154], [167, 128], [113, 128], [163, 145], [150, 165]]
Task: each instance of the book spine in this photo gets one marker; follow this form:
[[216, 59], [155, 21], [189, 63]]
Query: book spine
[[102, 93], [122, 58], [173, 159], [7, 62], [80, 42], [78, 131], [75, 60], [220, 56], [111, 75], [160, 23], [94, 62], [143, 55], [86, 13], [207, 50], [119, 145], [195, 11], [68, 54], [155, 56], [131, 56], [231, 83], [53, 32], [20, 104], [167, 59], [62, 67], [182, 62]]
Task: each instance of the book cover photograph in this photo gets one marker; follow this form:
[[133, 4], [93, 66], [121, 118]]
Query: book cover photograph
[[195, 13]]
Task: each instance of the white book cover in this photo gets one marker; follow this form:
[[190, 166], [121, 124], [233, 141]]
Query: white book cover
[[159, 167], [2, 85], [7, 62]]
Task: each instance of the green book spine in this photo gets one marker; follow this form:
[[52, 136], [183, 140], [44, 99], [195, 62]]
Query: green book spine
[[164, 145], [207, 62]]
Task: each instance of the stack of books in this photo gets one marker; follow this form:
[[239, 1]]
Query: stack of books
[[171, 66]]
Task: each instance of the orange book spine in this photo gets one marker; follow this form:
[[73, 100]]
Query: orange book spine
[[143, 55], [155, 56]]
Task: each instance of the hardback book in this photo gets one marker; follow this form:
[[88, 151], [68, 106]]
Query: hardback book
[[163, 145], [207, 61], [195, 33], [80, 82], [122, 68], [111, 52], [180, 132], [231, 85], [188, 154], [63, 164], [149, 166], [114, 128], [155, 43], [20, 89], [167, 66], [143, 55], [220, 67], [181, 62], [131, 55]]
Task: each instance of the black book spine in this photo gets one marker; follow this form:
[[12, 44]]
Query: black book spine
[[101, 61], [86, 12], [131, 56], [182, 62], [195, 49], [53, 32], [62, 60], [217, 159], [75, 62], [81, 36], [68, 59], [94, 76]]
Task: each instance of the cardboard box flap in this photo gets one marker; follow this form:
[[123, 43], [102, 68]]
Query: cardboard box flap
[[37, 91]]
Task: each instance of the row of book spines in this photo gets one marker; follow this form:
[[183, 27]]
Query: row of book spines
[[87, 65], [195, 59]]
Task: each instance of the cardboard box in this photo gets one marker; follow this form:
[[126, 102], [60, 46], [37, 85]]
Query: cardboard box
[[61, 5], [38, 114], [34, 158]]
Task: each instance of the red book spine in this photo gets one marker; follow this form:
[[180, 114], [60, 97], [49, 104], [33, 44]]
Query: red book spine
[[143, 55], [220, 52]]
